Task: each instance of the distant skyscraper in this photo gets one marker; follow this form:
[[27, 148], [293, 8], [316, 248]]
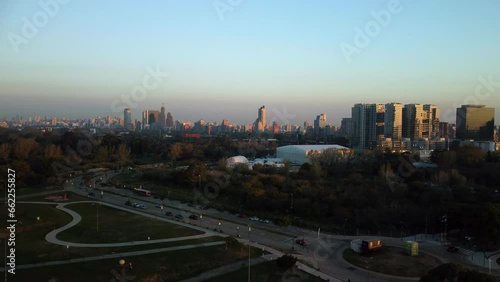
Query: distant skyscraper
[[275, 128], [150, 119], [319, 123], [170, 120], [162, 118], [393, 120], [364, 126], [346, 127], [475, 122], [127, 118], [413, 118], [260, 122], [431, 121]]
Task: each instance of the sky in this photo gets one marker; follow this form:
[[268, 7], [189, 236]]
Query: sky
[[223, 59]]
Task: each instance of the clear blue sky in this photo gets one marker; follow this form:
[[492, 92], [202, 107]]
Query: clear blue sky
[[280, 53]]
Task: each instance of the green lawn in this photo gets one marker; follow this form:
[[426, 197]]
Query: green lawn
[[266, 271], [393, 261], [103, 224], [169, 266], [30, 231], [31, 246]]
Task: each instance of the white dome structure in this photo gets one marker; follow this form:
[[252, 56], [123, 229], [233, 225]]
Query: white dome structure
[[236, 160]]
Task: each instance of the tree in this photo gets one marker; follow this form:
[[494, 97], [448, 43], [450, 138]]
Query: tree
[[454, 272], [175, 151], [286, 262], [23, 147]]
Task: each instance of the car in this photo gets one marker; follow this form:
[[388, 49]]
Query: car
[[254, 218], [193, 216], [452, 249], [264, 221], [142, 206], [159, 206], [242, 215], [301, 242], [179, 216], [169, 213]]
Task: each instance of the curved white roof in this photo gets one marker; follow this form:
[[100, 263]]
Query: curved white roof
[[232, 161]]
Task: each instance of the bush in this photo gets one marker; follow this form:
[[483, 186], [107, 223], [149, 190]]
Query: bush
[[286, 262]]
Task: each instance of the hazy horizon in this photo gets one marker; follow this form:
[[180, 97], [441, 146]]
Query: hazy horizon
[[225, 64]]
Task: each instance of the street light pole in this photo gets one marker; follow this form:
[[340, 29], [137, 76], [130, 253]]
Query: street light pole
[[249, 229], [97, 218], [444, 219], [345, 221]]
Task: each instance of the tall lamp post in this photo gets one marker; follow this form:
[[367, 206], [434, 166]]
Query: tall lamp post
[[249, 229], [444, 219], [97, 217], [345, 221]]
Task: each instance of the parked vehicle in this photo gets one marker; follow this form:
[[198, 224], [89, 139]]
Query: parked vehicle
[[452, 249], [179, 216], [169, 213], [254, 218], [193, 216], [264, 221]]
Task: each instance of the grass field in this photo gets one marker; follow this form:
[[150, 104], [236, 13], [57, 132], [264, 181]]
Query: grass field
[[169, 266], [103, 224], [393, 261], [266, 271], [31, 246]]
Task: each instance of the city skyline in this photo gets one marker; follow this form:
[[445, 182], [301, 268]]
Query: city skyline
[[299, 60]]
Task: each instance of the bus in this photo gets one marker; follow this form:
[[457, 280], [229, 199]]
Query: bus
[[142, 192]]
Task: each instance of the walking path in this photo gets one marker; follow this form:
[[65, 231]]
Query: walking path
[[51, 237], [120, 255]]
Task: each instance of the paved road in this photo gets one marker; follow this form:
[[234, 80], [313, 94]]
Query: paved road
[[323, 253]]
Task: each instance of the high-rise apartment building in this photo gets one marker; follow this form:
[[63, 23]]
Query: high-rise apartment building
[[364, 126], [393, 121], [319, 123], [430, 122], [475, 122], [127, 118], [170, 120], [162, 118], [379, 121], [150, 119], [260, 122], [413, 118]]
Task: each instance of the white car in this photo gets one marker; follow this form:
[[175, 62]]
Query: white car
[[254, 218], [264, 221]]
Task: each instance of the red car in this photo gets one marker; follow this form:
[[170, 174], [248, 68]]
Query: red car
[[301, 242], [242, 215]]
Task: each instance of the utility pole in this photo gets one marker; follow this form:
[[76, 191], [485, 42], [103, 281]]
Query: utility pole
[[97, 218], [444, 219], [249, 229]]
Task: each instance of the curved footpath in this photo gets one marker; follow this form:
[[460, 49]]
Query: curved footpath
[[51, 237]]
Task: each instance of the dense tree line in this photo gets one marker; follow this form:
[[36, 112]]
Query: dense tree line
[[374, 191]]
